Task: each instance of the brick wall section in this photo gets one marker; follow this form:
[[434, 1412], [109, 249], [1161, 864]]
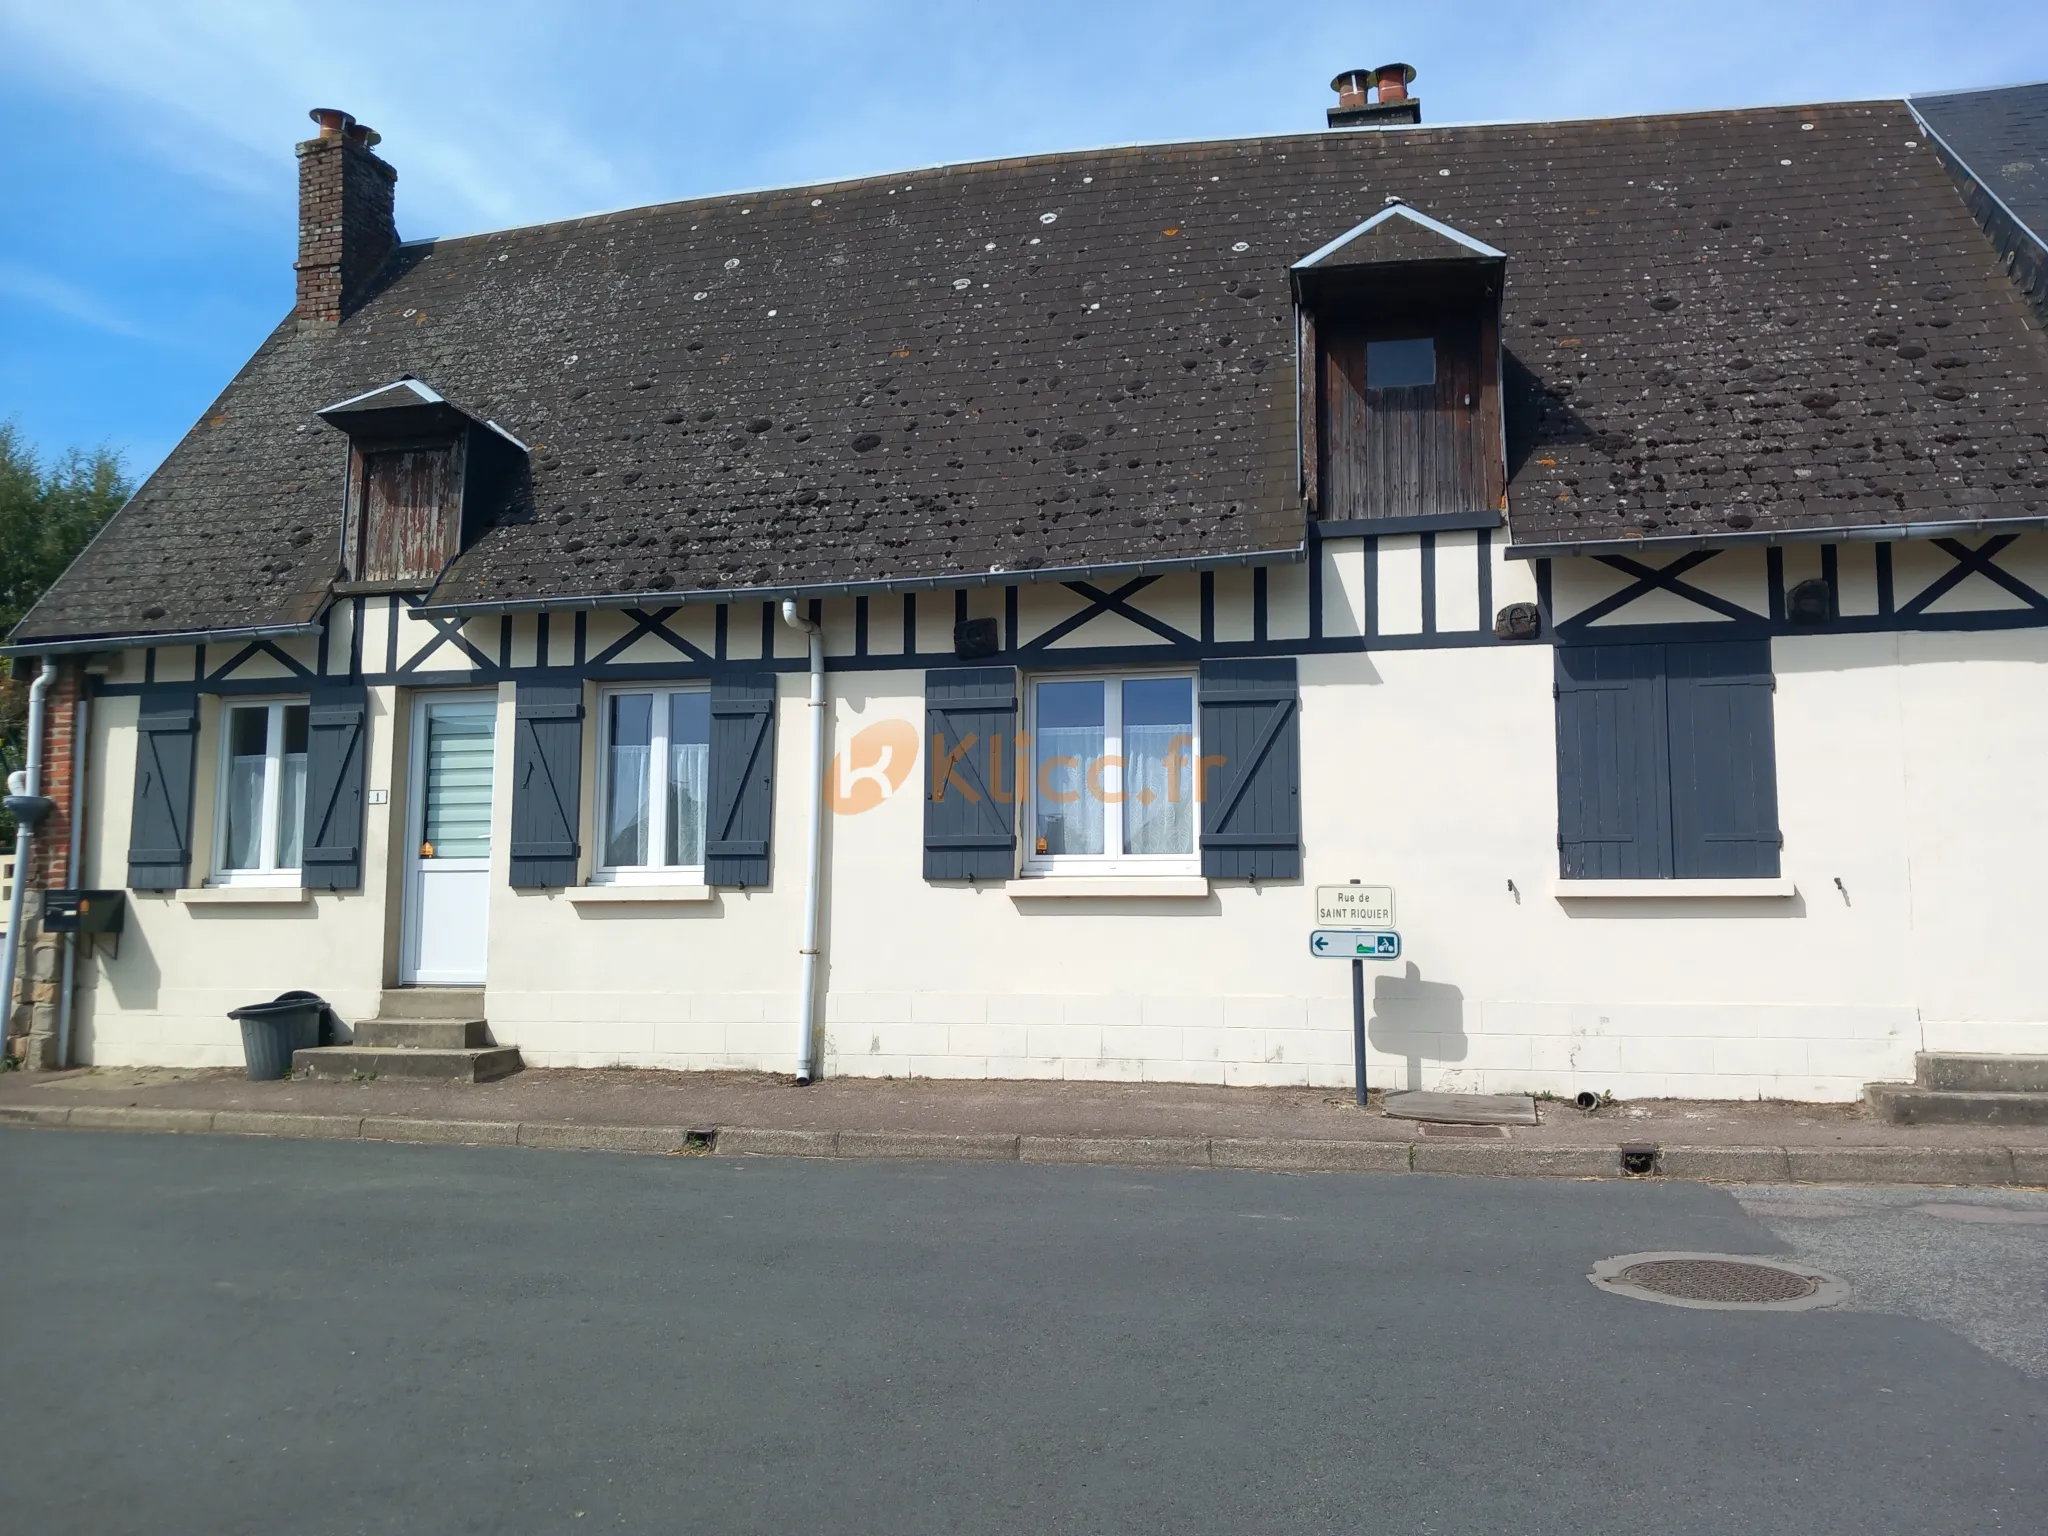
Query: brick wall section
[[32, 1017], [346, 228], [49, 857]]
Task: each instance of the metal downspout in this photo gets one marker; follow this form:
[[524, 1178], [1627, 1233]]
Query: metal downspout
[[814, 846], [26, 815], [80, 740]]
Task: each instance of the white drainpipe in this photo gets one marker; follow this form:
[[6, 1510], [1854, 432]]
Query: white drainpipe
[[31, 786], [80, 740], [814, 844]]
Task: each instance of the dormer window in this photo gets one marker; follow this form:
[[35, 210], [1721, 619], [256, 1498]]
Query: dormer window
[[1406, 362], [424, 479], [1401, 390]]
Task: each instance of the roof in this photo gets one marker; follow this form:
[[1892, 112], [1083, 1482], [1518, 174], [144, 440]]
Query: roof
[[2002, 135], [1778, 321], [1996, 146], [1397, 233]]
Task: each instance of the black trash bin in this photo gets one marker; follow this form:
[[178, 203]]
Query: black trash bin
[[272, 1031]]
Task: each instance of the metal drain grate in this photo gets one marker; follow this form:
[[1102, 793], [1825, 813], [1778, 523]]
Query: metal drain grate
[[1718, 1280], [1724, 1281]]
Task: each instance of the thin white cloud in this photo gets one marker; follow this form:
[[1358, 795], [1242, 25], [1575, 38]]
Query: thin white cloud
[[220, 89], [44, 291]]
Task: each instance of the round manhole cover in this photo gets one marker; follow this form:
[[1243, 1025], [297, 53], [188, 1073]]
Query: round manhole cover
[[1726, 1281], [1718, 1280]]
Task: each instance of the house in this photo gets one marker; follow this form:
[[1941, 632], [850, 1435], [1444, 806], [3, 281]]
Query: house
[[954, 623]]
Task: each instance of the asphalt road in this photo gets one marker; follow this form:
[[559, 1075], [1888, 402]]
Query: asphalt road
[[218, 1335]]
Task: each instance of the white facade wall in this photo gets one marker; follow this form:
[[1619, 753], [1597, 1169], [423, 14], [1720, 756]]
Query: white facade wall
[[1907, 769]]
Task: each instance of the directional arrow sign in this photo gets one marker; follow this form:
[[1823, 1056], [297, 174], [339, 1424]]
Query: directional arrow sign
[[1355, 944]]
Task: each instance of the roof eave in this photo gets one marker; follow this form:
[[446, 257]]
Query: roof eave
[[698, 596], [71, 645], [1680, 543]]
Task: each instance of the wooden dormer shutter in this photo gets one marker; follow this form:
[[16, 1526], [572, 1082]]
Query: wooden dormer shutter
[[410, 512], [1395, 449]]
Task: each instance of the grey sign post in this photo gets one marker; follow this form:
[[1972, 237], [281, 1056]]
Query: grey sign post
[[1357, 945]]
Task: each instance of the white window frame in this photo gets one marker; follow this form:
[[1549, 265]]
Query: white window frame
[[657, 788], [1114, 861], [267, 872]]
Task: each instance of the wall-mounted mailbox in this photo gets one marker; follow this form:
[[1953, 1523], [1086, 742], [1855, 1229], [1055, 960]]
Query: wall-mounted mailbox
[[84, 911]]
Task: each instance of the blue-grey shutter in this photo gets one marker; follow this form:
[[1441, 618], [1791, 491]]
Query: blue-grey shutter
[[970, 802], [336, 744], [742, 780], [1613, 771], [1724, 774], [160, 827], [1251, 798], [547, 784]]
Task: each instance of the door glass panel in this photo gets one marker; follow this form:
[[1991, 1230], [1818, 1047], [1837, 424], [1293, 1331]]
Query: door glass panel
[[458, 789], [689, 766]]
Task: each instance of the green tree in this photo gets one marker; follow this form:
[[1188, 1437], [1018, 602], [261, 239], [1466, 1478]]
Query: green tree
[[48, 513]]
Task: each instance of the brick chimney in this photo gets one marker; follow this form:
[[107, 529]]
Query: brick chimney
[[1357, 88], [346, 230]]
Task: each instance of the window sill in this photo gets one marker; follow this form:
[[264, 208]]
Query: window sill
[[597, 895], [1110, 887], [1673, 890], [244, 895]]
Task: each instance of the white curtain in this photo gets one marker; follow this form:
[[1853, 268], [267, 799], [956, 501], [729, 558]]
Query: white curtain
[[1075, 827], [689, 773], [245, 812], [1167, 825], [291, 810], [625, 805]]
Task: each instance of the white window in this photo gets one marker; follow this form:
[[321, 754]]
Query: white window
[[261, 820], [654, 769], [1112, 786]]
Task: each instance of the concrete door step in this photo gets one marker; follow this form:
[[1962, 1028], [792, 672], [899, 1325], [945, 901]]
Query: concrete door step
[[342, 1062], [1463, 1108], [1911, 1104], [424, 1034], [431, 1003], [1975, 1072]]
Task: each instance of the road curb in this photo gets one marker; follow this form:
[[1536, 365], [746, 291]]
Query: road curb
[[2022, 1166]]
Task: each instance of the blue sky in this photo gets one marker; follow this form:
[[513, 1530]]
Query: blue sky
[[148, 193]]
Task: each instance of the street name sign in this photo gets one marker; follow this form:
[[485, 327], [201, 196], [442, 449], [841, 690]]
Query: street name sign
[[1355, 944], [1359, 906]]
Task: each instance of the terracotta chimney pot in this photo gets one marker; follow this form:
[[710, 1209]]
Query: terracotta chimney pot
[[1351, 87], [1393, 81]]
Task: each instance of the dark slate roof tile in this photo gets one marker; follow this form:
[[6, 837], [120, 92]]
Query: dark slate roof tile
[[1779, 320], [2002, 135]]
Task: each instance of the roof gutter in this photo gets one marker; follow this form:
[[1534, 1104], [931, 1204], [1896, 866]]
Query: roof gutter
[[1862, 533], [994, 578], [72, 647]]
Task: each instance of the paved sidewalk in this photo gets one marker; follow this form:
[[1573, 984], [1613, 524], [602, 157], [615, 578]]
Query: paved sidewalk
[[1280, 1128]]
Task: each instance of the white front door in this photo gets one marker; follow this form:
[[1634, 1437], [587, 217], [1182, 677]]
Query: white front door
[[448, 881]]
